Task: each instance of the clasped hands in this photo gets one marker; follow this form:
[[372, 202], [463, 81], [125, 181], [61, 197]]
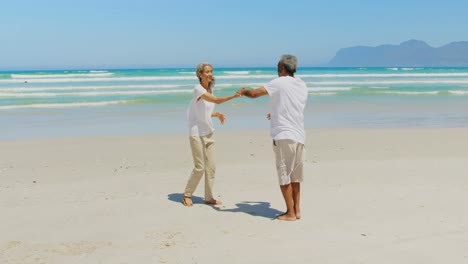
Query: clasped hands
[[247, 92], [241, 92]]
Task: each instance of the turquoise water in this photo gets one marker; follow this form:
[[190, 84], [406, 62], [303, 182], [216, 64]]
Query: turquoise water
[[93, 102]]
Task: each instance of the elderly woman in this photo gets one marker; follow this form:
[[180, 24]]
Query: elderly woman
[[202, 143]]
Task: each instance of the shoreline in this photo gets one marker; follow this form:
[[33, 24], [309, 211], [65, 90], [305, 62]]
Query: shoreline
[[140, 124]]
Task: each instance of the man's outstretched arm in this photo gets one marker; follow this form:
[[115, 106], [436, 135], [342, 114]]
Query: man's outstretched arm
[[254, 93]]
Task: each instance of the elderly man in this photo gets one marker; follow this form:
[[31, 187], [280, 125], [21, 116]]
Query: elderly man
[[288, 98]]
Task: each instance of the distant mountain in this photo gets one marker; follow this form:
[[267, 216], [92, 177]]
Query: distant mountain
[[412, 53]]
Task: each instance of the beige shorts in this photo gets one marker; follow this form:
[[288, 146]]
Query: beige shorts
[[290, 156]]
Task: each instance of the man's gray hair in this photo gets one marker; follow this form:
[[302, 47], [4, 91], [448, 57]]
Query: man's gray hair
[[289, 62], [199, 71]]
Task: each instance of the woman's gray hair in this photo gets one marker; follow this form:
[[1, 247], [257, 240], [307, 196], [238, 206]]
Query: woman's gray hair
[[199, 71], [289, 62]]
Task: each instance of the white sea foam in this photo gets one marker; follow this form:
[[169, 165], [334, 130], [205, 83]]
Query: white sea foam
[[388, 82], [218, 85], [458, 92], [61, 105], [410, 93], [383, 75], [86, 77], [99, 79], [27, 95], [322, 93], [110, 93], [319, 89], [67, 75], [237, 72], [34, 79], [104, 87], [259, 76]]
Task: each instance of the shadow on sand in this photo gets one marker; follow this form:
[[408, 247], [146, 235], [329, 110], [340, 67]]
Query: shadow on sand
[[260, 209]]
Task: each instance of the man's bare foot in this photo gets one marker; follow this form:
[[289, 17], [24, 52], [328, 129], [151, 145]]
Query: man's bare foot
[[298, 215], [287, 217], [187, 201], [213, 202]]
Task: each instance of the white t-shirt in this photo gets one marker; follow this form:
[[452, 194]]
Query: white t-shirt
[[288, 98], [199, 113]]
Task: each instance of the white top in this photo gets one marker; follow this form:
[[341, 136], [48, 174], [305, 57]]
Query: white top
[[288, 98], [199, 113]]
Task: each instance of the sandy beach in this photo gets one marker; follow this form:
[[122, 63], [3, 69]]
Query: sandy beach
[[370, 196]]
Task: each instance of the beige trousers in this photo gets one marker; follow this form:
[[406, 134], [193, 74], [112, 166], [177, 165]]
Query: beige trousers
[[204, 161]]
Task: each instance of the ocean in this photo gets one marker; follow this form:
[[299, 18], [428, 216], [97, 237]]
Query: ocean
[[64, 103]]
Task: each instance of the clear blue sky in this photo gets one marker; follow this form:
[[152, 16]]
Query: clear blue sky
[[150, 33]]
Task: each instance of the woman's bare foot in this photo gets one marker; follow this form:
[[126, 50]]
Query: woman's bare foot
[[213, 202], [287, 217], [187, 201]]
